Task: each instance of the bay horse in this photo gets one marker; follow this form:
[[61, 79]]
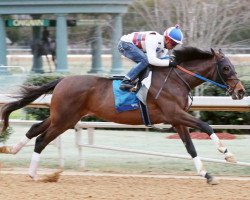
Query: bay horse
[[77, 96]]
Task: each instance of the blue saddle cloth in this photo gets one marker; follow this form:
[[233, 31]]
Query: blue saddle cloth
[[124, 100]]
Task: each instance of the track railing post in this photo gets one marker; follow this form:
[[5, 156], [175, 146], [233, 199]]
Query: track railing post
[[90, 132], [59, 145], [78, 143]]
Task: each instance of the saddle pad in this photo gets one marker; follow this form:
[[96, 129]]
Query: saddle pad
[[124, 100]]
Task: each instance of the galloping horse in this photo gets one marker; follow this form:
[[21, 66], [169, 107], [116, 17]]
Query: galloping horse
[[77, 96]]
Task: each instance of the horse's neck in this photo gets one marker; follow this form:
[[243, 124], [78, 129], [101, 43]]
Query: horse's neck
[[176, 77], [166, 79], [203, 68]]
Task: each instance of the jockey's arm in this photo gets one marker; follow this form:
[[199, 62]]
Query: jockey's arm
[[163, 54], [151, 44]]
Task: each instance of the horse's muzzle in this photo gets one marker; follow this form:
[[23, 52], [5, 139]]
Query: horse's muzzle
[[238, 92]]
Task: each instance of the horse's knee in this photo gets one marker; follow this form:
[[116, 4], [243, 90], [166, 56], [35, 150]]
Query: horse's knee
[[37, 129], [206, 128], [31, 133], [190, 121]]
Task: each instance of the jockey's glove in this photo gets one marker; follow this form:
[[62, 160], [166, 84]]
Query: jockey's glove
[[172, 63]]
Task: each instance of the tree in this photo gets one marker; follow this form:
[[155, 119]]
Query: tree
[[205, 23]]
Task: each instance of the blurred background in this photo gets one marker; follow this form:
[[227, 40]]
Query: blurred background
[[206, 24]]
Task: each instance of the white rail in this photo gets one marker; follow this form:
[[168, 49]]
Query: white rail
[[90, 126], [205, 103], [3, 67], [150, 153]]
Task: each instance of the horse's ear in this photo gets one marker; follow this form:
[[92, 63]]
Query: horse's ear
[[212, 50], [220, 52]]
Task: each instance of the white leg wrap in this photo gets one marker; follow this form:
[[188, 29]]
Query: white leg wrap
[[34, 164], [17, 147], [218, 143], [199, 166], [228, 155]]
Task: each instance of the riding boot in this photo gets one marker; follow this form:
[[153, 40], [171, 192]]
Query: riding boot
[[126, 84]]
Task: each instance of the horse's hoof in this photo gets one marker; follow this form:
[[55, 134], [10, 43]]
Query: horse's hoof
[[212, 181], [34, 178], [5, 149], [230, 158]]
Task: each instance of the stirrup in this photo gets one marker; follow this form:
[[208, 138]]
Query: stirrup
[[135, 88], [126, 86]]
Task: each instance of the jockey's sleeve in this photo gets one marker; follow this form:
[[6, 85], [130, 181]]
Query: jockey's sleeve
[[163, 53], [151, 45]]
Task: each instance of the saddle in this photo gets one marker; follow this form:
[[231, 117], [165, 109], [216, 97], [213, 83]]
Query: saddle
[[135, 98], [137, 83]]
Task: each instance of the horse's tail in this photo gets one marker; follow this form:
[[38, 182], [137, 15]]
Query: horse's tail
[[27, 95]]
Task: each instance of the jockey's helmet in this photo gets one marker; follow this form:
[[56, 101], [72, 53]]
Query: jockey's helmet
[[174, 33]]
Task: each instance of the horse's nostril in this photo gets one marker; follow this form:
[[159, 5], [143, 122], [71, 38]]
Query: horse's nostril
[[242, 91], [241, 94]]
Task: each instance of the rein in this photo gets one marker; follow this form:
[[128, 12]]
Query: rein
[[201, 77], [224, 86], [165, 80]]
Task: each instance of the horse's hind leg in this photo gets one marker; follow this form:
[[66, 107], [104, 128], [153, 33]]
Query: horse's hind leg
[[185, 137], [34, 131], [54, 130], [190, 121]]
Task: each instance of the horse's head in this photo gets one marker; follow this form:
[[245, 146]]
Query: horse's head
[[227, 75]]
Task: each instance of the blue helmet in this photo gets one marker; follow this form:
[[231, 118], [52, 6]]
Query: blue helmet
[[174, 33]]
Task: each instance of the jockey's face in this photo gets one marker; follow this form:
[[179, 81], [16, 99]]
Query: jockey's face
[[169, 44]]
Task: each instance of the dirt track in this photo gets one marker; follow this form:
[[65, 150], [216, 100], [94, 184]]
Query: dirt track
[[120, 188]]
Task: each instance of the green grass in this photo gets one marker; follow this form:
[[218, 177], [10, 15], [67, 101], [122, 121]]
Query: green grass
[[243, 72], [18, 114]]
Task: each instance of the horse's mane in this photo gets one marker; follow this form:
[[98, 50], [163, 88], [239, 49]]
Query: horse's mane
[[190, 53]]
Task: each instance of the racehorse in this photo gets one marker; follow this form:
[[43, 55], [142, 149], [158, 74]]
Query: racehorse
[[39, 48], [77, 96]]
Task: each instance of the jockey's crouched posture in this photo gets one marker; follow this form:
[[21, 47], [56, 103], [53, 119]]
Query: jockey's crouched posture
[[146, 48]]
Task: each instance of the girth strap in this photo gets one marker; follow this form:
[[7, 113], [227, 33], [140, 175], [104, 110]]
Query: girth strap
[[144, 114]]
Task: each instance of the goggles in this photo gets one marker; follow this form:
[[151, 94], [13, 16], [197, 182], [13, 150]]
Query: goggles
[[171, 42]]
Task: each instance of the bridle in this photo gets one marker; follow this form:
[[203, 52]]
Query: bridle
[[221, 75], [223, 61]]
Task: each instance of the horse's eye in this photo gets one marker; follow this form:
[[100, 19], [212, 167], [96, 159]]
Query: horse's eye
[[226, 69]]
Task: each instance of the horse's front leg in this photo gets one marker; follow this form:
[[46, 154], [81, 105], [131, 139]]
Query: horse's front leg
[[190, 121], [228, 155], [185, 137]]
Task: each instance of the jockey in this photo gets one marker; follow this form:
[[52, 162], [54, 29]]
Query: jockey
[[146, 48]]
